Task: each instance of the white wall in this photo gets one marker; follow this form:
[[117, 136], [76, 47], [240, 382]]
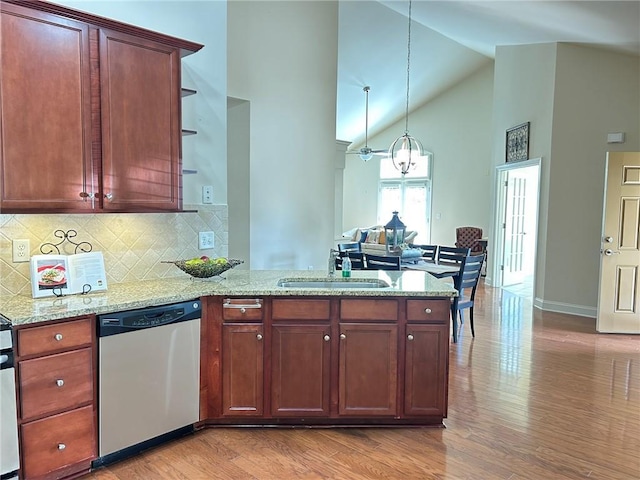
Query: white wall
[[596, 92], [204, 71], [282, 58], [456, 128], [573, 96]]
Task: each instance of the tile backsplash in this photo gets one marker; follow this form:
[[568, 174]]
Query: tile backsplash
[[133, 244]]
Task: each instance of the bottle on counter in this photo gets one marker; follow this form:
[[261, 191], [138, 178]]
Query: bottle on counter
[[346, 266]]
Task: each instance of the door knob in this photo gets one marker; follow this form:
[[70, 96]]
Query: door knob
[[608, 252], [608, 239]]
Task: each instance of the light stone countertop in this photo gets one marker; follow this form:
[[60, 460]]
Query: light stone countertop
[[20, 309]]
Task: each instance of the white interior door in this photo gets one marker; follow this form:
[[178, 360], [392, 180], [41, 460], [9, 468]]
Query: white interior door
[[516, 232], [520, 224], [514, 229], [619, 291]]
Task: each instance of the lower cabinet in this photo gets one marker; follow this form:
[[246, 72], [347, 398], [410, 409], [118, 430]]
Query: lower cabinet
[[425, 371], [368, 375], [56, 380], [243, 371], [300, 370], [327, 361]]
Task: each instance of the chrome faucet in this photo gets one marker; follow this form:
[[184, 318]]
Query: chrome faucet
[[333, 255]]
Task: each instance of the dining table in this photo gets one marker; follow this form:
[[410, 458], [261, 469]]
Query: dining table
[[436, 269]]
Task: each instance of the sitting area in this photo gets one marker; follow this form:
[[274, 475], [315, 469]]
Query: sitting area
[[372, 240]]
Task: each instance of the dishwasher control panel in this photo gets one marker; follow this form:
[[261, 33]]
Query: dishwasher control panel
[[120, 322]]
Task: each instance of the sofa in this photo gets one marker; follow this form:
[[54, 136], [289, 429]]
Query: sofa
[[373, 241]]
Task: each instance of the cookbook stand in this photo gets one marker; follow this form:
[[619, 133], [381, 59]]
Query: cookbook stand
[[49, 248]]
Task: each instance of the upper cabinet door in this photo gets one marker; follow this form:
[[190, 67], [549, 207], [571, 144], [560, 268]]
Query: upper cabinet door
[[140, 114], [45, 112]]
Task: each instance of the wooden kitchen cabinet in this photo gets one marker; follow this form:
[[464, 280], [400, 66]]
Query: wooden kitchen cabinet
[[242, 370], [300, 358], [368, 375], [300, 370], [326, 361], [90, 113], [242, 358], [141, 133], [45, 107], [426, 358], [56, 370], [426, 370]]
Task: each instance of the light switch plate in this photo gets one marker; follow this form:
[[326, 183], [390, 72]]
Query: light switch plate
[[205, 240]]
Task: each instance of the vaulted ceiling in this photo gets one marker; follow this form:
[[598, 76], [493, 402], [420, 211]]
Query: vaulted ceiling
[[449, 41]]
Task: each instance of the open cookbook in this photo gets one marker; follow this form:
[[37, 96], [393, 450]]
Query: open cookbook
[[56, 275]]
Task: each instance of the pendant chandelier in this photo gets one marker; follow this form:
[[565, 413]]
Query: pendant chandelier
[[406, 150]]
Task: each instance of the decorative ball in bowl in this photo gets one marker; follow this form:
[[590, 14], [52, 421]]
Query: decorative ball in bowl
[[205, 267]]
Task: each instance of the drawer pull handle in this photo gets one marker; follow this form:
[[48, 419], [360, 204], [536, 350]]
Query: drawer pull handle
[[61, 446], [60, 382], [427, 310], [342, 336], [242, 306], [259, 336], [58, 336], [409, 337], [327, 338]]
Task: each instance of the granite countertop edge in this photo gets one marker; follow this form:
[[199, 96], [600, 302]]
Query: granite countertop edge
[[22, 309]]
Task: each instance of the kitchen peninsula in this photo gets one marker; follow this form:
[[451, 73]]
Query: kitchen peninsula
[[300, 354]]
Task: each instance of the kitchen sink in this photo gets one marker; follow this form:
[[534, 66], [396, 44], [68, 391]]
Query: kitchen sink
[[332, 283]]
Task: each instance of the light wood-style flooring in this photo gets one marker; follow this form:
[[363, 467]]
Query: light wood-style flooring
[[534, 396]]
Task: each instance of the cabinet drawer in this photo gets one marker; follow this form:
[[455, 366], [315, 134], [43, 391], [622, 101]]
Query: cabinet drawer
[[55, 382], [58, 441], [431, 311], [294, 309], [368, 310], [242, 309], [49, 338]]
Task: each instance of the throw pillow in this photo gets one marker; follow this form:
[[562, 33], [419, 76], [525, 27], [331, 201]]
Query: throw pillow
[[363, 236], [373, 236], [382, 239]]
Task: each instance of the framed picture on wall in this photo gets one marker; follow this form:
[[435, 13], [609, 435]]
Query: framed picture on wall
[[518, 143]]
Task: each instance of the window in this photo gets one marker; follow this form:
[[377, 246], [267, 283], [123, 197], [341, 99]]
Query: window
[[410, 196]]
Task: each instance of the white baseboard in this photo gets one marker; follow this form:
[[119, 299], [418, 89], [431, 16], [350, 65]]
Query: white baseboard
[[559, 307]]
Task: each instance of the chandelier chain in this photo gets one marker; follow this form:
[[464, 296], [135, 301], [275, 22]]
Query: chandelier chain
[[406, 119]]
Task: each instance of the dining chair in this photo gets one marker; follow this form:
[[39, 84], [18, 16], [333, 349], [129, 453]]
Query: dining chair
[[357, 260], [429, 252], [349, 247], [466, 283], [451, 255], [469, 237], [379, 262]]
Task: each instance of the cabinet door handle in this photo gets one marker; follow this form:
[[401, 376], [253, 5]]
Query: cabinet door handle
[[259, 336], [108, 196], [60, 382], [243, 310], [61, 446], [342, 336], [58, 336], [409, 337], [327, 338], [427, 310]]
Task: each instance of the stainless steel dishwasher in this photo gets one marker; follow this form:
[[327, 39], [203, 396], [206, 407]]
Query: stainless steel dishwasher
[[148, 378]]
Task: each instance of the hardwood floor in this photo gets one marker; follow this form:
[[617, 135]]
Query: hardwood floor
[[534, 396]]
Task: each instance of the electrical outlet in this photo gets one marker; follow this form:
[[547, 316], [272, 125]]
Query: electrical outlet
[[207, 194], [205, 240], [21, 250]]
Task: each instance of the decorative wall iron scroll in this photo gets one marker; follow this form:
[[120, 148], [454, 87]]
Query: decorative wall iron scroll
[[49, 247]]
